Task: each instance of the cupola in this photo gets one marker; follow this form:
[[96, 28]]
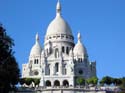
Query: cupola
[[58, 25], [79, 49], [36, 49]]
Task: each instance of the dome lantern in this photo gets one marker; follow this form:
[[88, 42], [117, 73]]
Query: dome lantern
[[37, 37], [79, 37], [58, 8]]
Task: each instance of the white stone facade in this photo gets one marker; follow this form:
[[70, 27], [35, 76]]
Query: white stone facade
[[61, 61]]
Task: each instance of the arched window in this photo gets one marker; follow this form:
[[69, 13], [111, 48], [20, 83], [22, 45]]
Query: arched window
[[56, 83], [67, 50], [56, 53], [37, 61], [48, 83], [63, 49], [65, 83], [34, 61], [48, 72], [65, 72], [56, 67]]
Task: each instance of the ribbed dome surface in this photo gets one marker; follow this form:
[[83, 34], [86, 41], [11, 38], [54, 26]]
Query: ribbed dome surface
[[79, 50], [58, 26], [36, 50]]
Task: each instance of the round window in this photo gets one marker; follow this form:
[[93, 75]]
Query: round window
[[36, 73], [80, 72]]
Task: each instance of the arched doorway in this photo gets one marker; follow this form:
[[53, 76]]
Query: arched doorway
[[48, 83], [65, 83], [56, 83]]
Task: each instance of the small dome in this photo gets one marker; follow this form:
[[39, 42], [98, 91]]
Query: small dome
[[79, 49], [36, 49], [58, 25]]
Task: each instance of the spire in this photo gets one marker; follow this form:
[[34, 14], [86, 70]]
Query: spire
[[79, 37], [58, 8], [37, 37]]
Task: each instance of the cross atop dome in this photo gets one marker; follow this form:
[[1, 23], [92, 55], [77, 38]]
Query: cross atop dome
[[58, 7]]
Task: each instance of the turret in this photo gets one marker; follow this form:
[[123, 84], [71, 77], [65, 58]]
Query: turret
[[79, 50]]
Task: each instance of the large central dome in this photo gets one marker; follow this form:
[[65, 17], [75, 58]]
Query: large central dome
[[58, 25]]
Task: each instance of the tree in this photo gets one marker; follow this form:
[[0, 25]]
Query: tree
[[80, 81], [22, 81], [101, 83], [36, 81], [117, 81], [92, 80], [106, 80], [28, 81], [123, 83], [9, 70]]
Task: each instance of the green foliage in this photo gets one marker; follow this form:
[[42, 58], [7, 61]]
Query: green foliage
[[123, 83], [9, 70], [117, 81], [101, 83], [92, 80], [80, 81], [22, 81], [107, 80], [28, 81], [36, 81]]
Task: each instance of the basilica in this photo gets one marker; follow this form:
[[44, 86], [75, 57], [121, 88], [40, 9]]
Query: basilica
[[60, 62]]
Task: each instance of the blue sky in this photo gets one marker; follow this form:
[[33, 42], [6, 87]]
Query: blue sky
[[100, 22]]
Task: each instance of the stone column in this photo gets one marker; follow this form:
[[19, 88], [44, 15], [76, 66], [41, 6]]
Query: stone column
[[51, 69], [71, 81], [54, 72], [60, 69], [42, 83]]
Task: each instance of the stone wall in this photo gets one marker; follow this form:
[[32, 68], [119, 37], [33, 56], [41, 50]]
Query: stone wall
[[59, 91]]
